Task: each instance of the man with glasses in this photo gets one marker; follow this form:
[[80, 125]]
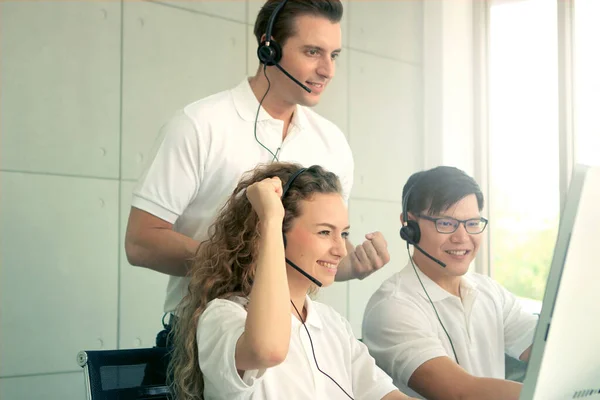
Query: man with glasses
[[439, 330]]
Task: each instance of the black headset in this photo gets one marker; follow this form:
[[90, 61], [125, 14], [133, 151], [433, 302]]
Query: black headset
[[284, 191], [289, 182], [269, 51], [411, 231], [286, 187]]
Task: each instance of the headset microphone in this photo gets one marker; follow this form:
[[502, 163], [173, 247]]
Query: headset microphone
[[429, 255], [269, 52], [297, 268], [310, 278], [409, 241], [292, 78], [286, 187]]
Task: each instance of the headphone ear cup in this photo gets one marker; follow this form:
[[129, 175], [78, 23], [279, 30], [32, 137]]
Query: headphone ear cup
[[271, 54], [411, 232]]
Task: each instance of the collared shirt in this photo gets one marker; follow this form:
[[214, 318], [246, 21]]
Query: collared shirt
[[402, 331], [204, 150], [337, 351]]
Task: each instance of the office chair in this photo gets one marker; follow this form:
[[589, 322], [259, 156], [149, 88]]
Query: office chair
[[125, 374]]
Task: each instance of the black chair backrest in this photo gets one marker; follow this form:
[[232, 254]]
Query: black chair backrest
[[126, 374]]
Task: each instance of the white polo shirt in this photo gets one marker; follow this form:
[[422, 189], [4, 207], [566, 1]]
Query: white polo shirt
[[204, 150], [402, 332], [338, 353]]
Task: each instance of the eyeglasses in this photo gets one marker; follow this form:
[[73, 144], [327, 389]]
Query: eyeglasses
[[447, 225]]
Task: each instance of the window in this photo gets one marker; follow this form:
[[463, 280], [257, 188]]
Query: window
[[523, 166]]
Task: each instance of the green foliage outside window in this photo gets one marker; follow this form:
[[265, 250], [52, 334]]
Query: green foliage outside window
[[521, 256]]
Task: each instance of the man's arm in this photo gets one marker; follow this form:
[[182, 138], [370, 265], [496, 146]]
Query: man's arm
[[442, 379], [168, 185], [519, 325], [151, 242], [363, 259]]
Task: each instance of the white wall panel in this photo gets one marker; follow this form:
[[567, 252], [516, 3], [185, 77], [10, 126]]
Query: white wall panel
[[392, 29], [336, 296], [67, 386], [385, 124], [142, 292], [58, 282], [366, 217], [230, 9], [171, 58], [345, 22], [254, 7], [251, 47], [60, 87]]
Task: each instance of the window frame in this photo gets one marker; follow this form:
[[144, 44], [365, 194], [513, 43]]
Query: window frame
[[565, 85]]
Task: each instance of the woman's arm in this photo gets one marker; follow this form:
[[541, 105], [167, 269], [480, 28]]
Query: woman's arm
[[266, 338]]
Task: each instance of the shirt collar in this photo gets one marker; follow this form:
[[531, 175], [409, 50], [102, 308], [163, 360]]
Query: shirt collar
[[468, 287], [246, 105], [436, 293], [313, 319]]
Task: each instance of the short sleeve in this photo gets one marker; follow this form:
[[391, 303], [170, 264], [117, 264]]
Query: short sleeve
[[219, 328], [368, 380], [400, 338], [519, 325], [171, 179]]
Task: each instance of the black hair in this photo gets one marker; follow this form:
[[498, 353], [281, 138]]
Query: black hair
[[437, 189]]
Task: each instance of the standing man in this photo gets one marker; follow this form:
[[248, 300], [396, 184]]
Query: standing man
[[207, 146]]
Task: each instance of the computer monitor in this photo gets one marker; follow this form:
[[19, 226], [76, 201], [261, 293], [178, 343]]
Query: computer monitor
[[565, 357]]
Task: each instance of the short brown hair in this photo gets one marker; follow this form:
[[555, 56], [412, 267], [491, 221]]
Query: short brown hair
[[284, 25]]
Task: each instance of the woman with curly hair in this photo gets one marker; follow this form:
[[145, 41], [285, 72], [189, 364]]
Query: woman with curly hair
[[247, 328]]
